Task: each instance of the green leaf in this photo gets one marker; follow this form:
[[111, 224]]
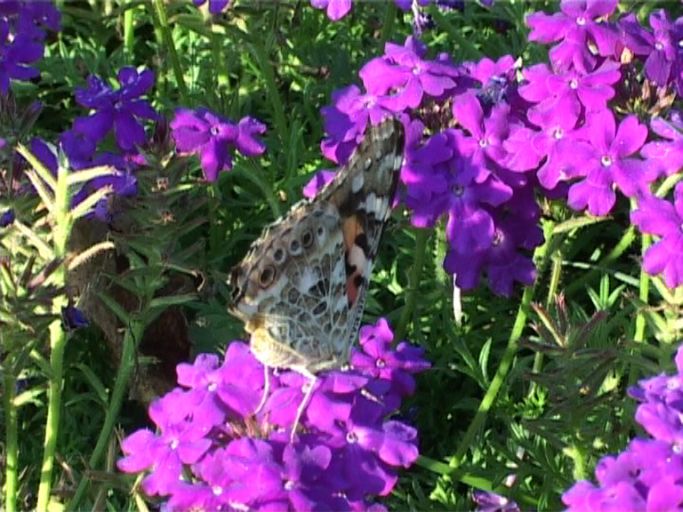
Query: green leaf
[[77, 177], [38, 166], [576, 223], [45, 195], [94, 382], [115, 307], [172, 300], [84, 207]]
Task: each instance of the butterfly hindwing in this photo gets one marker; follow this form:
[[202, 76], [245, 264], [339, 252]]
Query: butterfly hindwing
[[301, 288]]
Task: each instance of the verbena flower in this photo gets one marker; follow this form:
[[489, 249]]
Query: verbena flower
[[22, 34], [214, 138], [491, 502], [119, 109], [578, 26], [212, 450], [666, 155], [661, 47], [647, 475], [215, 6], [6, 218], [607, 162], [663, 219], [337, 9]]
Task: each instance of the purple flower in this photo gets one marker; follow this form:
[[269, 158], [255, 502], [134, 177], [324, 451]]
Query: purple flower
[[120, 109], [607, 161], [17, 52], [484, 146], [318, 182], [578, 25], [659, 217], [660, 48], [347, 119], [648, 474], [404, 78], [6, 218], [666, 156], [491, 502], [215, 6], [214, 138], [336, 9], [346, 451], [565, 93], [73, 318]]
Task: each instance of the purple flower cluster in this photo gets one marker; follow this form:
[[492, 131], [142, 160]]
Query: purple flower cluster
[[120, 111], [213, 451], [23, 27], [461, 172], [214, 138], [648, 474], [484, 138]]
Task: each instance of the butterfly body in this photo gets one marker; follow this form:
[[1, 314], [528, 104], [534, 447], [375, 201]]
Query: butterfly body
[[300, 290]]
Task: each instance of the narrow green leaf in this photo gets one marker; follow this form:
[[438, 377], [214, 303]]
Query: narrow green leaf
[[42, 171], [88, 174], [576, 223], [171, 300], [30, 396], [45, 195], [85, 207], [95, 383], [44, 249], [115, 307]]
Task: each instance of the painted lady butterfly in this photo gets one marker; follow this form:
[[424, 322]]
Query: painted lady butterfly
[[301, 287]]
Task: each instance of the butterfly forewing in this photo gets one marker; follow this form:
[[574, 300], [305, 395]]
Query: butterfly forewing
[[301, 288]]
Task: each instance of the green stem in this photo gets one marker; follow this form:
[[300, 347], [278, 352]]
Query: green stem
[[162, 21], [133, 333], [643, 295], [219, 60], [555, 273], [62, 229], [11, 440], [214, 226], [414, 277], [498, 378], [129, 32]]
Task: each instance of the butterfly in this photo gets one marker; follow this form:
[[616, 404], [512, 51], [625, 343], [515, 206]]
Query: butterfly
[[301, 288]]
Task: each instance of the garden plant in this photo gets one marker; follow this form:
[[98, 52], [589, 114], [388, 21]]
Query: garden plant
[[519, 348]]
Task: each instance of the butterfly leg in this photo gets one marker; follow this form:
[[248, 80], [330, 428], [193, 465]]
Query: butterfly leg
[[266, 390], [309, 388]]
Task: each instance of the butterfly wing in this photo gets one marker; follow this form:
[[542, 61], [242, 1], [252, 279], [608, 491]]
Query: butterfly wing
[[301, 288]]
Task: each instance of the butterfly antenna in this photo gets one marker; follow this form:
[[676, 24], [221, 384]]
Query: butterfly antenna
[[310, 384]]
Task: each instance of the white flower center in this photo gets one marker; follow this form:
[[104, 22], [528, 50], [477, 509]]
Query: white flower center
[[558, 133], [580, 21], [659, 46], [606, 160], [351, 438], [573, 83], [217, 490], [174, 444], [483, 143]]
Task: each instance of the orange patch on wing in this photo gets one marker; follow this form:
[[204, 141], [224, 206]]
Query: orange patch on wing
[[351, 228]]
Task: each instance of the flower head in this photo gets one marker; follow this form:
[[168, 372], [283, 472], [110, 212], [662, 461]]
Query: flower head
[[648, 474], [663, 219], [118, 109], [214, 138], [232, 456]]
